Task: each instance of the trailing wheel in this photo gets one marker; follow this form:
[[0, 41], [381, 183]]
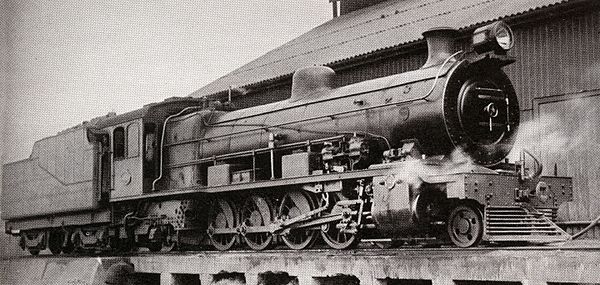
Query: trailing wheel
[[162, 238], [294, 204], [169, 245], [257, 212], [170, 239], [222, 216], [333, 233], [465, 226], [56, 239], [154, 246]]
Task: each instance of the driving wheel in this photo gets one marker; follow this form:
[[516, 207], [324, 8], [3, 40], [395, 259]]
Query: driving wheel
[[222, 216], [257, 212], [292, 205]]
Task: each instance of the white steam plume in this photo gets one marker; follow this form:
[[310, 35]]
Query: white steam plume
[[412, 171]]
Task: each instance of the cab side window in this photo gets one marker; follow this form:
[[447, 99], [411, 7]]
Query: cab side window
[[149, 142], [133, 140], [119, 143]]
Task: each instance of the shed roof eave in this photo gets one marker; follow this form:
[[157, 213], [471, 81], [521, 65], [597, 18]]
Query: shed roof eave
[[528, 14]]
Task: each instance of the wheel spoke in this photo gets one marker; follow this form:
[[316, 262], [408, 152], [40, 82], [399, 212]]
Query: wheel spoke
[[292, 205], [257, 211], [222, 217], [334, 237]]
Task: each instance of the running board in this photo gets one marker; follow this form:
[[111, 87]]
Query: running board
[[522, 224]]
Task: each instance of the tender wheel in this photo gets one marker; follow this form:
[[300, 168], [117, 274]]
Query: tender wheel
[[69, 247], [257, 211], [126, 245], [292, 205], [335, 237], [222, 216], [77, 243], [56, 241], [33, 237], [34, 251], [465, 226]]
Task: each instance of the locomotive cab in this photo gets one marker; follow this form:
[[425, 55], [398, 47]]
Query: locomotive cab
[[132, 153]]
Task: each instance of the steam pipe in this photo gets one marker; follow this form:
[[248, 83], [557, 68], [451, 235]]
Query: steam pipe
[[162, 141], [424, 98]]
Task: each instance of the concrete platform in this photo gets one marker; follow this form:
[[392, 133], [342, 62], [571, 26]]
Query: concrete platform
[[366, 267]]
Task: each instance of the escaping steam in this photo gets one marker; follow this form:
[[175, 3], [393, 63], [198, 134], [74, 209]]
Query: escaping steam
[[560, 132], [560, 128], [413, 171]]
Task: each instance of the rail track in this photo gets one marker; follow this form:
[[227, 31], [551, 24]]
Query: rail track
[[365, 250], [575, 262]]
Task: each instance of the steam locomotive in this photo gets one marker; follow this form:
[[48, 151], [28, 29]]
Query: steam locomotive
[[412, 157]]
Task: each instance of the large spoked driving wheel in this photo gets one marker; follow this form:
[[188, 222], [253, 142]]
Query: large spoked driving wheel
[[257, 212], [222, 216], [293, 205], [334, 236], [465, 226]]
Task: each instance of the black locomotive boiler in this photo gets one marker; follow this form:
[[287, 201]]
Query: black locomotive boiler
[[417, 156]]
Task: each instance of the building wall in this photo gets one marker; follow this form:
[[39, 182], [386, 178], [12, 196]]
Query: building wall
[[557, 79], [382, 67], [556, 57]]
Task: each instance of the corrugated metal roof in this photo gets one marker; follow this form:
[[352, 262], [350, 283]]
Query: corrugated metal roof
[[382, 26]]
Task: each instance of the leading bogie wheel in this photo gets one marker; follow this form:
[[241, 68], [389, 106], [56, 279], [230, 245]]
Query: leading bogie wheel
[[294, 204], [257, 211], [170, 241], [465, 226], [223, 215]]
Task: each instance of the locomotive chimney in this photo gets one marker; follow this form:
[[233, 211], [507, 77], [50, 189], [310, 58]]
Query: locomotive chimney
[[440, 45]]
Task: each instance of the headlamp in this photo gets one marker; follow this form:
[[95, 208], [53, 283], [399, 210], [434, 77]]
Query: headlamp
[[497, 37]]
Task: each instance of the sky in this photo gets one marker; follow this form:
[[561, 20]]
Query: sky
[[63, 62]]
